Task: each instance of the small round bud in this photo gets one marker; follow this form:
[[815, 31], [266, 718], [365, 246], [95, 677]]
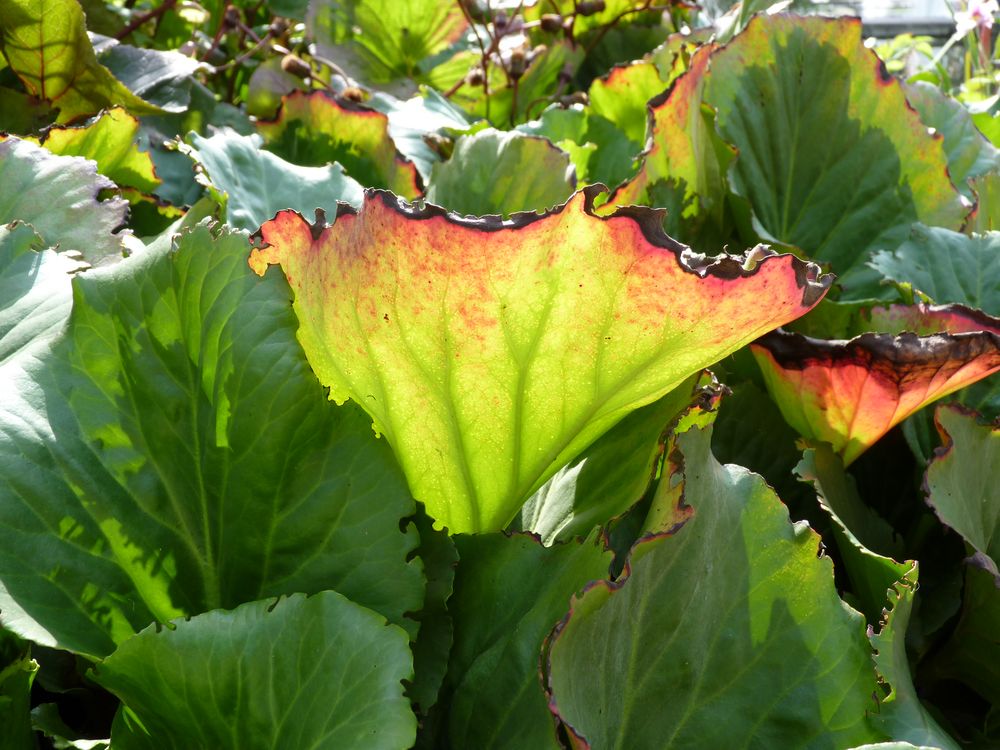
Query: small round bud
[[552, 22], [296, 66]]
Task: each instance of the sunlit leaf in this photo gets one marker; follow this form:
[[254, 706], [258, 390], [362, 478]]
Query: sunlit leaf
[[61, 197], [46, 45], [490, 354], [851, 392], [315, 129]]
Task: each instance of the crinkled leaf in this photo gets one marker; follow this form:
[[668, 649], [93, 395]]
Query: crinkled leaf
[[392, 39], [318, 671], [46, 45], [863, 537], [850, 393], [947, 266], [509, 593], [730, 614], [517, 343], [60, 196], [174, 453], [961, 481], [900, 714], [161, 77], [608, 477], [255, 184], [315, 129], [111, 141], [969, 154], [17, 672], [35, 289], [502, 172]]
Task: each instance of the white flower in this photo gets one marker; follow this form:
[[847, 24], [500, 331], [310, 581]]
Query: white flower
[[977, 15]]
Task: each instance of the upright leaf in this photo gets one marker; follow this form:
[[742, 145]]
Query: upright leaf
[[726, 632], [316, 671], [517, 343], [47, 46]]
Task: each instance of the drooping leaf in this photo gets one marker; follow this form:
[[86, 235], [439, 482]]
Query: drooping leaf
[[900, 714], [947, 266], [498, 172], [731, 614], [969, 154], [61, 198], [255, 184], [46, 45], [315, 129], [35, 288], [961, 481], [110, 140], [517, 343], [509, 593], [866, 542], [391, 39], [318, 671], [608, 477], [198, 462], [849, 393]]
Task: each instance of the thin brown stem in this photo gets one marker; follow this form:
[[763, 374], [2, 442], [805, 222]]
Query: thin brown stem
[[138, 21]]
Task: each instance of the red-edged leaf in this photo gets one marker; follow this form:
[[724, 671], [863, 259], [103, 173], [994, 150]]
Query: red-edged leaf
[[316, 129], [492, 352], [850, 393]]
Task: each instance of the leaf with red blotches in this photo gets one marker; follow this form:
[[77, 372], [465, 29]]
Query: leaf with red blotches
[[490, 353], [851, 392], [315, 129]]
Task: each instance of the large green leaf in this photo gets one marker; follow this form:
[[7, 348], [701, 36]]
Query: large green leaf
[[316, 671], [621, 97], [947, 266], [497, 172], [900, 713], [726, 632], [174, 453], [46, 45], [491, 353], [969, 153], [35, 287], [849, 393], [961, 481], [61, 197], [316, 129], [255, 184], [509, 593]]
